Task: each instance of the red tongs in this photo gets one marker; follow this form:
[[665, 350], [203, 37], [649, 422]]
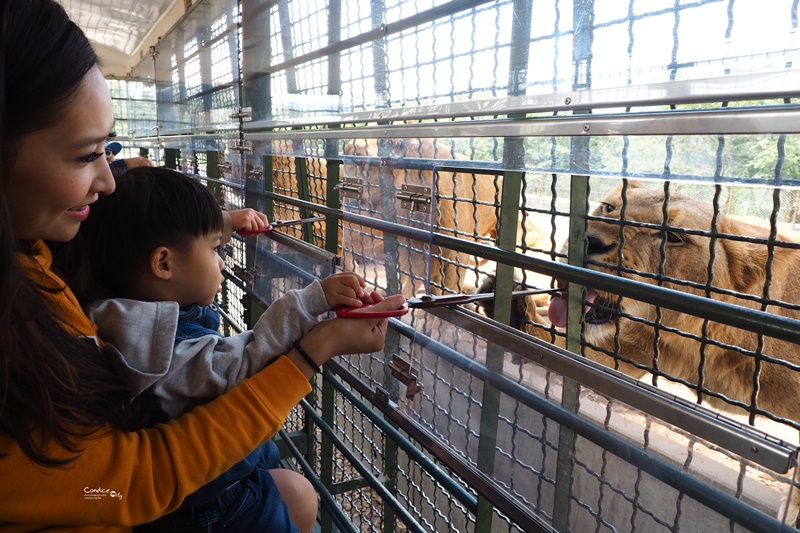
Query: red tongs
[[279, 224], [428, 301]]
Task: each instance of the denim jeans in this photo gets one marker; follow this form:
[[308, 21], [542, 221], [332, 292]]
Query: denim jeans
[[197, 321], [250, 505]]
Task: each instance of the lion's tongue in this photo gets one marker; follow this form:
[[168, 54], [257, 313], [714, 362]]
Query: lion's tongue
[[557, 311]]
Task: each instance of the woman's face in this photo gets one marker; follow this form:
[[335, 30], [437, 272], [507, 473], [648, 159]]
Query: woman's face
[[58, 172]]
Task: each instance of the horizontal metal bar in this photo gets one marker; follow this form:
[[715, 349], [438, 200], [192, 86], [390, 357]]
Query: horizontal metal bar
[[774, 85], [743, 440], [206, 131], [776, 326], [347, 486], [186, 137], [303, 204], [298, 437], [497, 168], [202, 93], [707, 495], [731, 121], [744, 121], [320, 255], [224, 183], [377, 486], [279, 264], [228, 320], [316, 253], [330, 505], [494, 168]]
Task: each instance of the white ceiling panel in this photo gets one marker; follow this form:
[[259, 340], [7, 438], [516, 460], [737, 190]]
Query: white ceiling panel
[[119, 29]]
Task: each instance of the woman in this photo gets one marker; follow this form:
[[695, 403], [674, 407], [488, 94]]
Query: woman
[[67, 454]]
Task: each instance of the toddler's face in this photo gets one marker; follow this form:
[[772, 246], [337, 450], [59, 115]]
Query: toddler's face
[[198, 277]]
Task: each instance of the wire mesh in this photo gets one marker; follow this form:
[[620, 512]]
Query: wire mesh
[[343, 93]]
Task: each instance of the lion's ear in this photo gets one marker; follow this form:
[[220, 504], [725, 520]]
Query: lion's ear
[[746, 260], [635, 184]]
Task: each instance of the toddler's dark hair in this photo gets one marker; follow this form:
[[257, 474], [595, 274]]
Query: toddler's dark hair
[[150, 207]]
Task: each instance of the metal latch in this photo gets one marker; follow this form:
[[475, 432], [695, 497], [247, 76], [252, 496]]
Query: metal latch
[[257, 173], [248, 275], [245, 114], [240, 145], [402, 372], [415, 198], [226, 250], [226, 167], [351, 188]]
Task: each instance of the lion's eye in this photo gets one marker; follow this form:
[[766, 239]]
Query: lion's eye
[[671, 236], [607, 208]]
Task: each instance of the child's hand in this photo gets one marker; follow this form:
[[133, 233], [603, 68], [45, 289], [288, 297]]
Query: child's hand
[[345, 288], [248, 220], [340, 336]]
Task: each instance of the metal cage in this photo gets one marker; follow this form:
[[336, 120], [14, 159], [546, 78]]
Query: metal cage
[[640, 158]]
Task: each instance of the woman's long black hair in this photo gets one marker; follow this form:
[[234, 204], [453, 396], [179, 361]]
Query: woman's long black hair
[[55, 388]]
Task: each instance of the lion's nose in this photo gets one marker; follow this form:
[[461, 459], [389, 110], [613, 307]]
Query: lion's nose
[[595, 245]]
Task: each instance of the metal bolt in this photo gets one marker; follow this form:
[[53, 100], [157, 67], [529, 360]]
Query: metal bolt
[[567, 100], [383, 28], [585, 127], [754, 449]]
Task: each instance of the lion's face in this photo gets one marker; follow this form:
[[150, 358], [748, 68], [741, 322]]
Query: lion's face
[[680, 244], [667, 246]]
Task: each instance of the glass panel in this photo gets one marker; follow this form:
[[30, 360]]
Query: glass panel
[[283, 265], [134, 104], [376, 185], [468, 53], [197, 69], [380, 186]]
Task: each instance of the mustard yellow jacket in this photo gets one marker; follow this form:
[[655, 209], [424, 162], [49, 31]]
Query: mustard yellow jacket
[[126, 478]]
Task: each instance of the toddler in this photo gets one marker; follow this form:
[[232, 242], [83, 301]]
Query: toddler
[[153, 248]]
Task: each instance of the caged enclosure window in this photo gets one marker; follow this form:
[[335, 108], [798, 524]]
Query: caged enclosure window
[[635, 162]]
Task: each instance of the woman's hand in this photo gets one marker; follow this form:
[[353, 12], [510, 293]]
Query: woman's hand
[[340, 336]]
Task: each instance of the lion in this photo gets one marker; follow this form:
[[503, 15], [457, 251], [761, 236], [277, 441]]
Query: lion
[[466, 207], [623, 325], [738, 269]]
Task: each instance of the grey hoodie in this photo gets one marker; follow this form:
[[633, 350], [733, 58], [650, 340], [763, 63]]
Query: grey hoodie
[[197, 370]]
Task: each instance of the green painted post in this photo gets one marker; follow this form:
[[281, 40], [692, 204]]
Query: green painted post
[[332, 222], [269, 187], [326, 459], [303, 192], [171, 156]]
